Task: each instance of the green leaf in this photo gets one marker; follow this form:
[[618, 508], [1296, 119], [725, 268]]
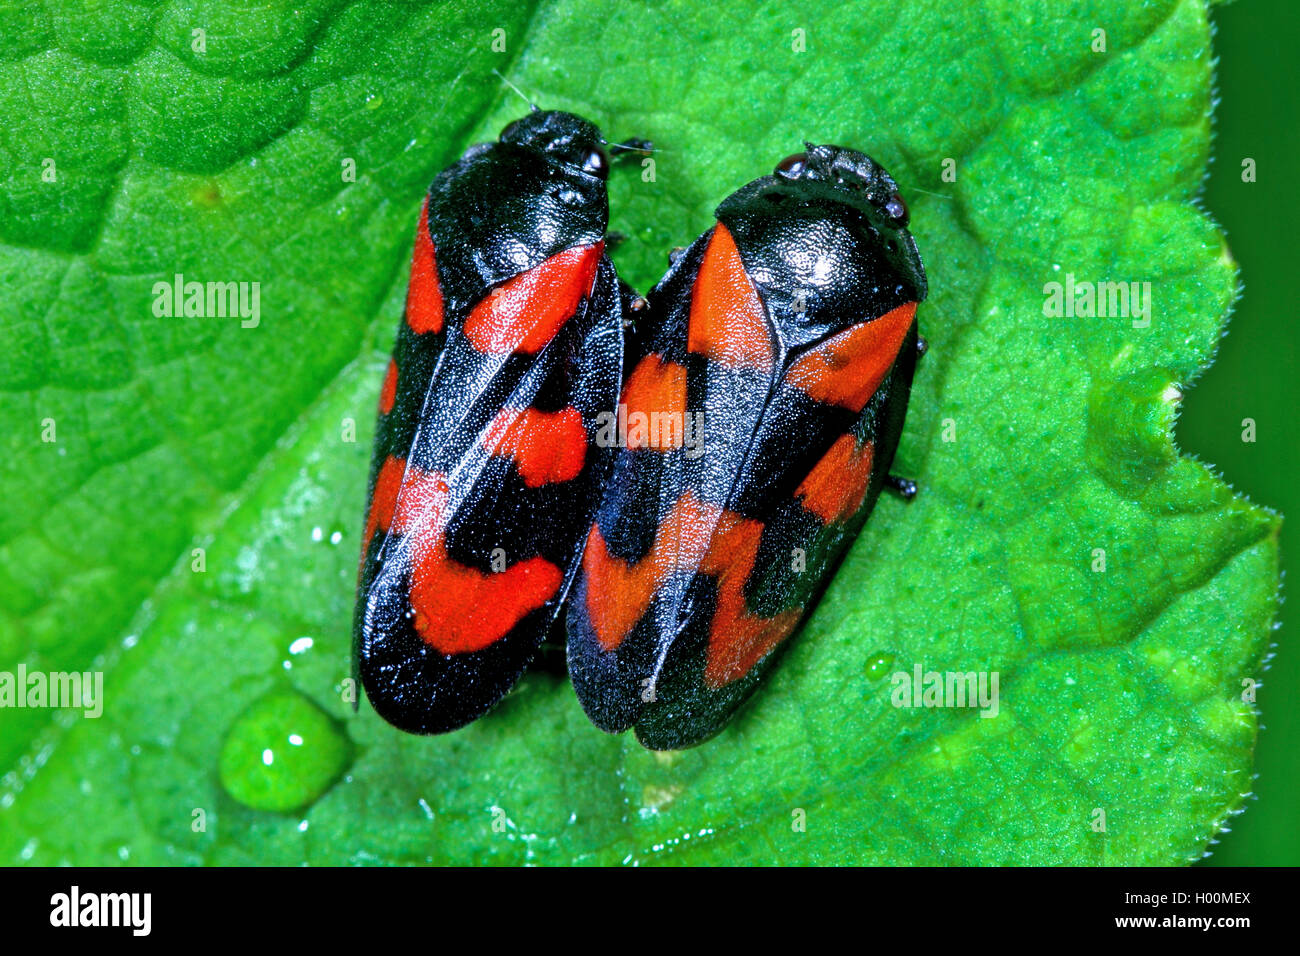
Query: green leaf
[[1038, 441]]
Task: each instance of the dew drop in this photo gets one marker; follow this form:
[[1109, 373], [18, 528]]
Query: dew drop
[[282, 753], [879, 665]]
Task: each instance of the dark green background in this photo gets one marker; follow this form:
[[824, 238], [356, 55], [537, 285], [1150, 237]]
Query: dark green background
[[1254, 375]]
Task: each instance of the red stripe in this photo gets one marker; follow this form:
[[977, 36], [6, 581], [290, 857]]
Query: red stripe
[[847, 369], [728, 322], [835, 487], [423, 295], [388, 394], [524, 313], [546, 447], [694, 535]]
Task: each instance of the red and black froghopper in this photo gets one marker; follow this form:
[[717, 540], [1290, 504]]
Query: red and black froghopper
[[789, 328], [485, 472]]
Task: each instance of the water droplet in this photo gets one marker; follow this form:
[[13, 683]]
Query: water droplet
[[301, 645], [283, 753], [879, 665]]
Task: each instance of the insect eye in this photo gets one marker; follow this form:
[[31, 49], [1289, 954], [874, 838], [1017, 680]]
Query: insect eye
[[596, 163], [896, 210], [792, 165]]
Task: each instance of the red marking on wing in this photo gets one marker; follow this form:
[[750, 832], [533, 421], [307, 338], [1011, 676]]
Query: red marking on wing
[[698, 536], [656, 390], [383, 501], [737, 640], [457, 609], [424, 295], [525, 312], [837, 484], [421, 503], [388, 394], [546, 447], [400, 494], [619, 592], [728, 322], [847, 368]]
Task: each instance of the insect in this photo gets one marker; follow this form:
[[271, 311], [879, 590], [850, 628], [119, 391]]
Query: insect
[[485, 471], [787, 335]]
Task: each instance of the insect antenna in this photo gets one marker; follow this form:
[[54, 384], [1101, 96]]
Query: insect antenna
[[531, 105]]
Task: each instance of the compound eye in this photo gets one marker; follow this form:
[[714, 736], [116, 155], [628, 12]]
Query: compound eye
[[792, 166], [896, 210], [596, 163]]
